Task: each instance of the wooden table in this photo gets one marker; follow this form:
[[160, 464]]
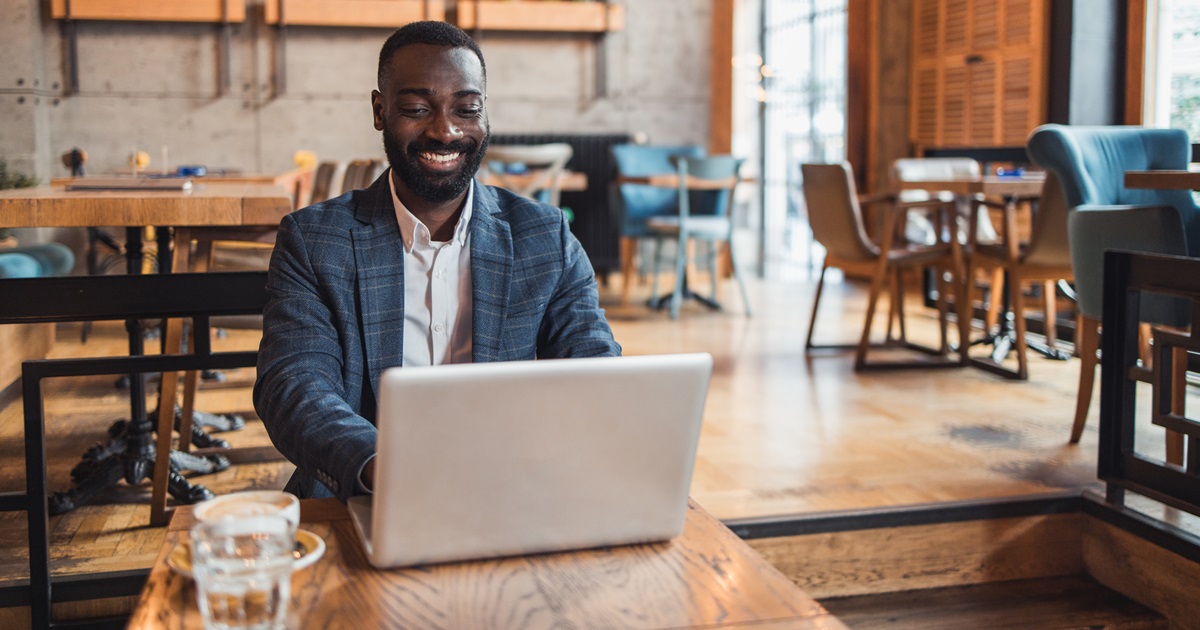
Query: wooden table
[[1175, 180], [298, 181], [991, 185], [671, 180], [706, 577], [571, 181]]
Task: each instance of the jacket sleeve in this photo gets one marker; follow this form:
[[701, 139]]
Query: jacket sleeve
[[574, 324], [300, 393]]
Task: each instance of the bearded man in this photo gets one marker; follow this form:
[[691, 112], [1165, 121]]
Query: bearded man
[[424, 267]]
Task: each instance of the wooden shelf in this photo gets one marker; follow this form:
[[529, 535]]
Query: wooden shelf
[[380, 13], [539, 15], [152, 10]]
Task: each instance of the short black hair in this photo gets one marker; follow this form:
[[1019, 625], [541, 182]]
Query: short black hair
[[433, 33]]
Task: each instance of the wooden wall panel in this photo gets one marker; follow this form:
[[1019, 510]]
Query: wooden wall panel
[[927, 556], [1135, 61], [1143, 572], [720, 126]]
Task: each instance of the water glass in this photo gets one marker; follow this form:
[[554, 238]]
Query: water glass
[[243, 571]]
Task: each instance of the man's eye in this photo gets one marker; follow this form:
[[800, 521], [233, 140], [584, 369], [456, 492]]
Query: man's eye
[[413, 111], [472, 112]]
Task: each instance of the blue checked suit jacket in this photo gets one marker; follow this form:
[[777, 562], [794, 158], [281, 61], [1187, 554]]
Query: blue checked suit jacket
[[335, 315]]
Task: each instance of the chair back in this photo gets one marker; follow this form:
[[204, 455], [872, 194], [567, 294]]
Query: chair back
[[1049, 244], [1090, 162], [546, 163], [323, 182], [833, 211], [636, 203], [361, 173], [717, 168], [934, 170]]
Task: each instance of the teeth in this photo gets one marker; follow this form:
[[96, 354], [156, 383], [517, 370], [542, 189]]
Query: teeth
[[437, 157]]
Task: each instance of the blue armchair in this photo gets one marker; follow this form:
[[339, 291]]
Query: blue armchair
[[636, 203], [1090, 162], [36, 261]]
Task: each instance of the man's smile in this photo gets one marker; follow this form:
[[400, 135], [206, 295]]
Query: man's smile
[[441, 161]]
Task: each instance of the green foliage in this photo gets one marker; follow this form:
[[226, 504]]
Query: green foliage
[[14, 180]]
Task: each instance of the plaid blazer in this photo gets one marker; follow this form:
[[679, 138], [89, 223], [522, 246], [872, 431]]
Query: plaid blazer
[[335, 316]]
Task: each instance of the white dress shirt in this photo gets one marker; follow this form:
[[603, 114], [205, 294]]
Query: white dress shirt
[[437, 289]]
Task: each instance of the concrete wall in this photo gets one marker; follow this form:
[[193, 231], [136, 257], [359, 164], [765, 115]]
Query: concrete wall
[[155, 85]]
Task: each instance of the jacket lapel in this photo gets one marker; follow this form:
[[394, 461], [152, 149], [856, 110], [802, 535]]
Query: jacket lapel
[[491, 276], [379, 268]]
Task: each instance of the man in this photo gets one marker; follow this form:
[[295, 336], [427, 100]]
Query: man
[[423, 267]]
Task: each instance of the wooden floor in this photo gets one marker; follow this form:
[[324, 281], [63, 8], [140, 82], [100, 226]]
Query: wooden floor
[[784, 433]]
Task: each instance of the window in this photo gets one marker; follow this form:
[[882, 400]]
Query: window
[[1172, 92]]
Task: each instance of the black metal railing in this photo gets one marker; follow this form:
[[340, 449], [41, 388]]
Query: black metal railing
[[1127, 278]]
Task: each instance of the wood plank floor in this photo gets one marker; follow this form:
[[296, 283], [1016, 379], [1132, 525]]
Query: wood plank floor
[[784, 433]]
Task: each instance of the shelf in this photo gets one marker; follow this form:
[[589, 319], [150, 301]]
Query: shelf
[[378, 13], [539, 15], [151, 10]]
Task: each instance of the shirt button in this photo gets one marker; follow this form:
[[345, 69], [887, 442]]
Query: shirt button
[[438, 327]]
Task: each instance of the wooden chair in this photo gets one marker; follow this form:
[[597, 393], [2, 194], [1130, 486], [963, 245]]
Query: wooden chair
[[1045, 259], [546, 161], [836, 218]]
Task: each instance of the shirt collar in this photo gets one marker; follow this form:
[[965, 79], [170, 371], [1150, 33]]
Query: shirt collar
[[408, 222]]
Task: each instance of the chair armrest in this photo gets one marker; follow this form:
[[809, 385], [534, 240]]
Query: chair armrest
[[876, 198]]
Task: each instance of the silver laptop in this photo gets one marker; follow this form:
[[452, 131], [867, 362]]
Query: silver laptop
[[499, 459]]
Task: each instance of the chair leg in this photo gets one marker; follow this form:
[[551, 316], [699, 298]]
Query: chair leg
[[737, 275], [712, 248], [994, 298], [943, 288], [657, 258], [627, 251], [860, 356], [898, 301], [1049, 296], [681, 262], [1088, 334], [812, 321], [1018, 315], [964, 310]]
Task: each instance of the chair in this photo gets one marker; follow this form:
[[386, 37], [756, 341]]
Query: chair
[[530, 170], [836, 218], [1090, 162], [323, 182], [360, 174], [685, 226], [1046, 258], [636, 203]]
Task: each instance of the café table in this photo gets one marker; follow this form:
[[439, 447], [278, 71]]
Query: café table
[[704, 578], [230, 206], [1175, 180], [571, 181]]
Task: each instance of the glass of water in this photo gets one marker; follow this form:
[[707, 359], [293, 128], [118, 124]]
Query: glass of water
[[243, 571]]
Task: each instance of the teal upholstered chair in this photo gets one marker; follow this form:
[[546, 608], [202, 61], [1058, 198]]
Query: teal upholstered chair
[[1090, 163], [36, 261]]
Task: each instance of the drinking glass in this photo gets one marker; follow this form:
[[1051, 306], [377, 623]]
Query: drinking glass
[[243, 571]]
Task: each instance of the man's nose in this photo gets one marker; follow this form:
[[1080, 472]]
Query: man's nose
[[443, 127]]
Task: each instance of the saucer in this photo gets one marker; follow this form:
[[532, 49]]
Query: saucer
[[180, 558]]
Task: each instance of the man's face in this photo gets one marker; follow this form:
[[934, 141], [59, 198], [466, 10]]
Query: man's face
[[430, 109]]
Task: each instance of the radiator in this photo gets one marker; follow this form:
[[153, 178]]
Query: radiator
[[595, 223]]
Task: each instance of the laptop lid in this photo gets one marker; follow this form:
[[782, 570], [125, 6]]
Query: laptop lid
[[498, 459]]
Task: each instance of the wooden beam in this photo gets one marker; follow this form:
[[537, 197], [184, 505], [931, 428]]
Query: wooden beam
[[22, 342], [524, 15], [1135, 62], [151, 10], [368, 13], [859, 75], [720, 124]]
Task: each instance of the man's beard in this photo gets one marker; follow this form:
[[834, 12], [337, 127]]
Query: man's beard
[[441, 187]]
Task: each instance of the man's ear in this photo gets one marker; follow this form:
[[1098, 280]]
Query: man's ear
[[377, 109]]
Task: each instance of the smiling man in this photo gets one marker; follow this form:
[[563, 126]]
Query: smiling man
[[424, 267]]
